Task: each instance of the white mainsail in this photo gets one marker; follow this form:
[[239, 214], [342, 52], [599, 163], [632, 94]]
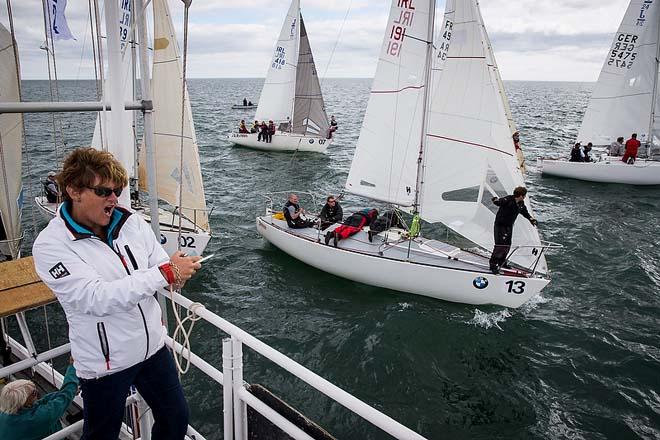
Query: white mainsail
[[167, 92], [385, 163], [278, 94], [309, 116], [11, 143], [622, 100]]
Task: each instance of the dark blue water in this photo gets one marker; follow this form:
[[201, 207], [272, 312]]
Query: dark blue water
[[582, 361]]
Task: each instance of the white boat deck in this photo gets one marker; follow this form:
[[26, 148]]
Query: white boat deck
[[393, 245]]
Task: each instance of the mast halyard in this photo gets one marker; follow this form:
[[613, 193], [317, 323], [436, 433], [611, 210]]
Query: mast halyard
[[425, 108]]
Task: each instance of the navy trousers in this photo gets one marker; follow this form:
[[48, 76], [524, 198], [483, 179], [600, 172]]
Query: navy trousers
[[503, 235], [157, 381]]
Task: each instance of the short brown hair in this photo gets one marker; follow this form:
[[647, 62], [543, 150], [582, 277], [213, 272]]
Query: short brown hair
[[520, 191], [84, 165]]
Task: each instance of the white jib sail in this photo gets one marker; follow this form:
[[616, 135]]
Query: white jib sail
[[11, 143], [385, 163], [278, 94], [622, 98], [469, 156], [167, 92]]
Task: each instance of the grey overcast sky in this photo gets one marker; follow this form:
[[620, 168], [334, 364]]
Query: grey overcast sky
[[557, 40]]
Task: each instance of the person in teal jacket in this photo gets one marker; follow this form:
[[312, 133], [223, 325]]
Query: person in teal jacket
[[26, 417]]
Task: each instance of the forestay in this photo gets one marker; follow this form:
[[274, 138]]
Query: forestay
[[103, 137], [167, 92], [469, 155], [623, 97], [309, 115], [11, 143], [278, 94], [384, 166]]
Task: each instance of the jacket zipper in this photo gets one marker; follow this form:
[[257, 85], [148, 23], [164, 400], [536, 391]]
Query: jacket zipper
[[103, 339], [135, 266]]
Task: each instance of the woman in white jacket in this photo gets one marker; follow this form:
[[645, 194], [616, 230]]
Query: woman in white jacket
[[104, 264]]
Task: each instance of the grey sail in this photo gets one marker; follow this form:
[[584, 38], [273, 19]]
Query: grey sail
[[309, 115]]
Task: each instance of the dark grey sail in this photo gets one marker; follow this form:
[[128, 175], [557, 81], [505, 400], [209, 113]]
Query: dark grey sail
[[309, 115]]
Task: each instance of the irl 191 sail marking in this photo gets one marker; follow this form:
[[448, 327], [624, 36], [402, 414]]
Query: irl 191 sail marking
[[399, 27]]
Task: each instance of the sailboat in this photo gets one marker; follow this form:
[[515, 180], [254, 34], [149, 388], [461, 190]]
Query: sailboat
[[291, 96], [435, 141], [624, 101], [192, 213], [11, 144]]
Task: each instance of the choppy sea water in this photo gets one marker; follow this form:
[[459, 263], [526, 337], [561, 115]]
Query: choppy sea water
[[581, 361]]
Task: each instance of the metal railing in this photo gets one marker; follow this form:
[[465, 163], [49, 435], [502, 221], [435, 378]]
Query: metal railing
[[269, 198], [537, 251], [236, 395], [236, 392]]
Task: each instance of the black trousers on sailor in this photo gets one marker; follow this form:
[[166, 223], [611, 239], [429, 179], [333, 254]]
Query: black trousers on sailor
[[503, 235]]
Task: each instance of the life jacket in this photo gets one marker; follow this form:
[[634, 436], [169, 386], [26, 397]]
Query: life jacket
[[287, 214]]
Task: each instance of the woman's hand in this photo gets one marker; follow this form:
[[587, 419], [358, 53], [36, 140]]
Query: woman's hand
[[186, 266]]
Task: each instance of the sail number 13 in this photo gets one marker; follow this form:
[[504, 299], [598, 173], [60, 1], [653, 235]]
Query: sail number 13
[[517, 287]]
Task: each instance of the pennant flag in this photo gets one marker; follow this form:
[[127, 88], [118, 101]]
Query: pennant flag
[[58, 23]]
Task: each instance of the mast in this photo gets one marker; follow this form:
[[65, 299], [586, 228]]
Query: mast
[[134, 82], [425, 106], [145, 87], [649, 143]]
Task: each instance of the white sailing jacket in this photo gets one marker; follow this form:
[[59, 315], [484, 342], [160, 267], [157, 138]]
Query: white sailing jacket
[[105, 288]]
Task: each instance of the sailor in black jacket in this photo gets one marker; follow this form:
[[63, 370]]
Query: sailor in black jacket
[[510, 207], [331, 213]]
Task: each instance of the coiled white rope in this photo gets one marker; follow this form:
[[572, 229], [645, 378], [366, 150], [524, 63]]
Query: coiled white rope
[[180, 331]]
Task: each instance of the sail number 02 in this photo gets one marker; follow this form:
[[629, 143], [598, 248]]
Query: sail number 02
[[517, 287]]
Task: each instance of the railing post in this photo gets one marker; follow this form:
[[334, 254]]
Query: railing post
[[145, 418], [227, 389], [240, 408], [25, 332]]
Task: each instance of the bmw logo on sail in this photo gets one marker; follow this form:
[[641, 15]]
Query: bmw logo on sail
[[480, 282]]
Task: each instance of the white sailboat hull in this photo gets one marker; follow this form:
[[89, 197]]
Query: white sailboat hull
[[193, 241], [282, 141], [429, 272], [612, 170]]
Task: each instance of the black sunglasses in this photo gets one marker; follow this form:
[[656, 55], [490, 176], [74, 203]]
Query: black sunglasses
[[103, 191]]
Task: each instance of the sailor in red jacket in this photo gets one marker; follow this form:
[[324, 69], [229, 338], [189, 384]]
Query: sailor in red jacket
[[632, 145]]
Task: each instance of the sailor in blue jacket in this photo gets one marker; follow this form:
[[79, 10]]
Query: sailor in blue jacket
[[26, 417]]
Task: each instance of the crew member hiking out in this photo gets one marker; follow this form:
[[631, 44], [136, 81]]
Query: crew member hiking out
[[509, 208]]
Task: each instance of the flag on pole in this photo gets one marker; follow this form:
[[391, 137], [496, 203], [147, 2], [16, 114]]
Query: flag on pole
[[58, 24]]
